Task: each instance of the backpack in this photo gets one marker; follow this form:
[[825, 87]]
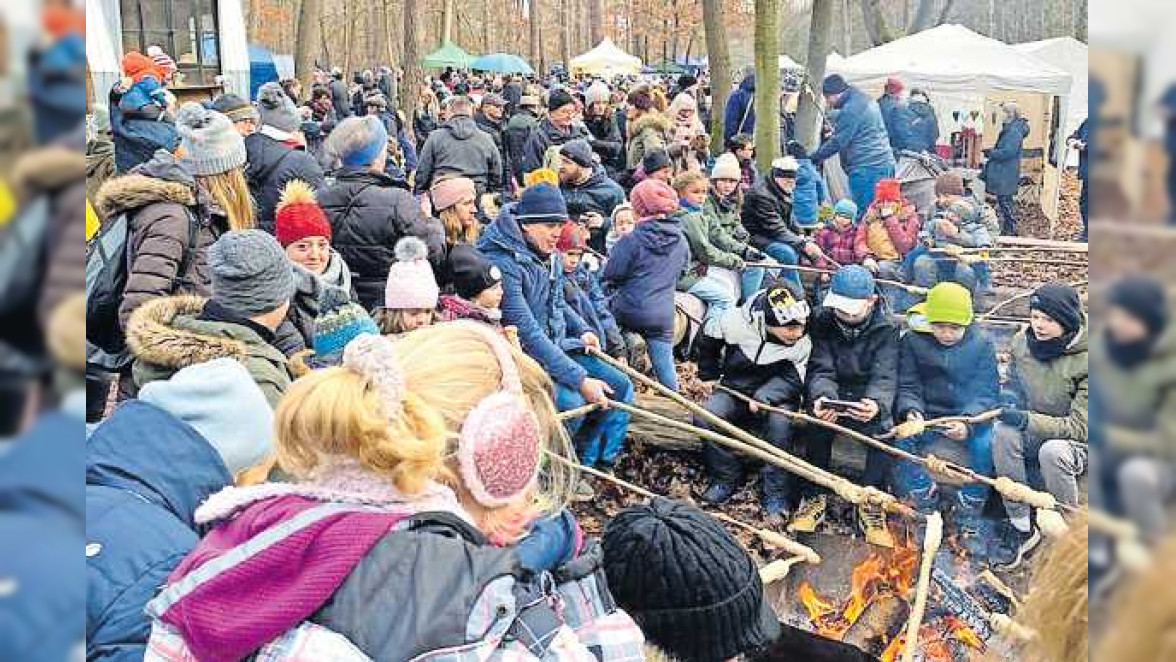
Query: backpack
[[108, 266], [22, 243]]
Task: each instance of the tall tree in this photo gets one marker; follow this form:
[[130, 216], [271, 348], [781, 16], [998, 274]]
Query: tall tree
[[565, 43], [596, 20], [309, 24], [414, 77], [767, 82], [446, 21], [878, 26], [535, 47], [719, 56], [808, 116]]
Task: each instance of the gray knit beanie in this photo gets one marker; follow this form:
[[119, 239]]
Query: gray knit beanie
[[211, 144], [276, 108], [251, 274]]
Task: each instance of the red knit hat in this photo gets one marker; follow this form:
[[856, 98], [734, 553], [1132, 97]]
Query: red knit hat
[[298, 215], [571, 238], [893, 85], [888, 190], [136, 66]]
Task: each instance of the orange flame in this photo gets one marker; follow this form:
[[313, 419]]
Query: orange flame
[[878, 575]]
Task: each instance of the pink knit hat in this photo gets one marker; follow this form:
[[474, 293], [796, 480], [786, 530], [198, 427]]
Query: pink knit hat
[[449, 192], [411, 285], [653, 197]]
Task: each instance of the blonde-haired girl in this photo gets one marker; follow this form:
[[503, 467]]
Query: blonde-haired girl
[[419, 462]]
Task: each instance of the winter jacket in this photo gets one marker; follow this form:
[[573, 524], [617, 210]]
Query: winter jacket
[[57, 86], [424, 124], [1082, 133], [643, 272], [607, 142], [726, 229], [972, 232], [138, 134], [43, 525], [739, 351], [859, 135], [1002, 172], [699, 226], [739, 115], [854, 363], [146, 472], [584, 294], [99, 165], [840, 245], [1055, 392], [647, 133], [893, 114], [369, 212], [542, 137], [340, 98], [518, 129], [497, 132], [599, 194], [1141, 417], [889, 239], [166, 335], [458, 147], [809, 195], [533, 299], [316, 129], [767, 216], [922, 131], [272, 165], [162, 209], [946, 381]]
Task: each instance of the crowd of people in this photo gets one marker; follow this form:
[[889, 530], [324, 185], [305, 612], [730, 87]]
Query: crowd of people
[[332, 343]]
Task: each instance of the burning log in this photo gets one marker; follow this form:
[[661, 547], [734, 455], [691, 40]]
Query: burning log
[[961, 604], [879, 624]]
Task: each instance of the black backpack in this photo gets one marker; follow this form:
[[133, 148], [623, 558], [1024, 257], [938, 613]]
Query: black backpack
[[108, 265]]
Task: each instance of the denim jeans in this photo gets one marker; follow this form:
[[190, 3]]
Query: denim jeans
[[1006, 208], [862, 182], [717, 296], [777, 486], [784, 254], [599, 436], [751, 281], [913, 481], [661, 355]]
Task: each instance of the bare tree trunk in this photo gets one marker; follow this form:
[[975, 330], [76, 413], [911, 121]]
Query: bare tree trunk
[[487, 13], [533, 6], [413, 76], [348, 37], [386, 35], [877, 27], [1080, 20], [310, 18], [595, 21], [767, 82], [808, 117], [719, 56], [446, 22]]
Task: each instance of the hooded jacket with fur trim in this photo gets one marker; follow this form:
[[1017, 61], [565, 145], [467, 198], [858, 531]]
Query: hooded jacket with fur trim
[[647, 133]]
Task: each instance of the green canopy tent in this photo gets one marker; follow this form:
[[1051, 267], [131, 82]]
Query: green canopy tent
[[448, 55], [667, 67]]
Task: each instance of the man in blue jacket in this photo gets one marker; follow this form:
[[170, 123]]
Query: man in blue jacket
[[1002, 171], [147, 469], [739, 115], [521, 242], [859, 136]]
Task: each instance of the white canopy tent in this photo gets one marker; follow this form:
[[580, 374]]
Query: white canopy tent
[[1067, 54], [607, 59], [959, 69]]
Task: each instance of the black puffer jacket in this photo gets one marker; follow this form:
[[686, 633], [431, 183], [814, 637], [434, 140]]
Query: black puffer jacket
[[460, 147], [543, 136], [496, 130], [518, 129], [271, 165], [767, 216], [606, 141], [369, 213], [853, 363]]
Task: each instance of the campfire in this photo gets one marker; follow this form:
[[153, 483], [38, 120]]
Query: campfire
[[873, 615]]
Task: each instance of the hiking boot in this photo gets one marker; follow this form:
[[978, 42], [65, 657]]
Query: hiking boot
[[584, 491], [808, 515], [775, 513], [976, 533], [720, 491], [1015, 548], [872, 522]]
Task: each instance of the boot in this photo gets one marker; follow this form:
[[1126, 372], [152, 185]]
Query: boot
[[1015, 548], [872, 522], [976, 534], [809, 515], [775, 512], [720, 491]]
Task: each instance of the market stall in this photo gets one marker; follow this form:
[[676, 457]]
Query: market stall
[[607, 59]]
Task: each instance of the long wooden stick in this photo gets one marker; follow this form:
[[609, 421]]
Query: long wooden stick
[[780, 541], [913, 289], [1069, 246], [932, 539], [982, 417], [1030, 260], [578, 411], [759, 448]]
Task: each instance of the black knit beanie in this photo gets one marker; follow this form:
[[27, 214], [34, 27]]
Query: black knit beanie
[[1061, 303], [686, 581], [559, 98], [1144, 299]]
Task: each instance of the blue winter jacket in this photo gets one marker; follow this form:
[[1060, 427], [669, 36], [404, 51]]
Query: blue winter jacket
[[922, 130], [533, 299], [809, 194], [946, 381], [892, 115], [42, 534], [643, 271], [146, 472], [590, 302], [1002, 174], [859, 135], [738, 117], [1082, 133]]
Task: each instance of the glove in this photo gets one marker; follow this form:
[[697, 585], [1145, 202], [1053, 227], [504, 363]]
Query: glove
[[1015, 418], [910, 429]]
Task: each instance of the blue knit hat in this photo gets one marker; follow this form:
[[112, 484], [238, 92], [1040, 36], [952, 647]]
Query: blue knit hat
[[834, 84], [850, 290], [542, 203], [846, 207], [339, 322]]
